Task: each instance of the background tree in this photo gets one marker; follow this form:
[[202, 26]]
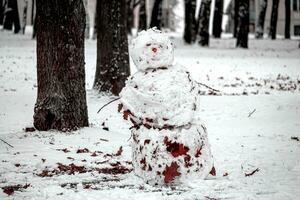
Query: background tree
[[87, 20], [11, 16], [236, 17], [142, 16], [1, 12], [261, 19], [61, 99], [217, 21], [243, 24], [204, 16], [112, 47], [287, 34], [156, 15], [273, 22], [95, 22], [189, 21], [24, 16]]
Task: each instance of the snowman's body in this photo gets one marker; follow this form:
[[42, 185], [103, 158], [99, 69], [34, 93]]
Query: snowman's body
[[169, 143]]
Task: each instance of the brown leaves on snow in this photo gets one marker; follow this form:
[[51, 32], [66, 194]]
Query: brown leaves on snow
[[171, 172], [9, 190]]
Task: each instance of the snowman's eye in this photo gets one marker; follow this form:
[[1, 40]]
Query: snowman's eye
[[148, 44]]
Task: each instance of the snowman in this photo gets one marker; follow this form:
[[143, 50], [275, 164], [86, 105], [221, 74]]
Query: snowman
[[169, 142]]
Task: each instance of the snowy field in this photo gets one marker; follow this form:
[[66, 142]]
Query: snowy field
[[253, 125]]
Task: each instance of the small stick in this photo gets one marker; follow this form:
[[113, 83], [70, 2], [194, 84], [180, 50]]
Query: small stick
[[208, 87], [251, 113], [7, 143], [253, 172], [108, 104]]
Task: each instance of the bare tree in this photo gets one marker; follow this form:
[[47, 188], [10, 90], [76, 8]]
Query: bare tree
[[217, 21], [24, 16], [261, 19], [156, 15], [61, 99], [11, 16], [1, 12], [203, 20], [243, 24], [112, 47], [190, 21], [287, 34], [273, 22], [142, 16], [236, 17]]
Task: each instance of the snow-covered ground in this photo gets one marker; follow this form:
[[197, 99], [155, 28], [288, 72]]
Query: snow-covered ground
[[253, 123]]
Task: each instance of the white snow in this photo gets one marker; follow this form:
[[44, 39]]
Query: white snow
[[240, 144]]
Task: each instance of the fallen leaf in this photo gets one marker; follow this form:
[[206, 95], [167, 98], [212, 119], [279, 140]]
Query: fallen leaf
[[171, 172]]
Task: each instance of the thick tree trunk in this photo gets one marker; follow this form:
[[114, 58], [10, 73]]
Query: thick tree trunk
[[112, 47], [261, 19], [204, 15], [243, 24], [287, 33], [217, 21], [236, 17], [190, 21], [142, 16], [274, 16], [156, 14], [24, 16], [61, 100]]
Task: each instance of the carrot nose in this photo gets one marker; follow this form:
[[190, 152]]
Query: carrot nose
[[154, 49]]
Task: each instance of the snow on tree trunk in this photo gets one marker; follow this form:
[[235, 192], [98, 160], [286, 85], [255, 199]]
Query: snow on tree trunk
[[170, 144], [142, 16], [261, 19], [243, 24], [217, 21], [156, 15], [61, 99], [236, 17], [24, 16], [287, 34], [112, 47], [273, 22], [190, 21], [204, 16]]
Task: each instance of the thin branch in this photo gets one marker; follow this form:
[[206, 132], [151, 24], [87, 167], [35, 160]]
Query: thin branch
[[108, 104], [208, 87], [7, 143], [251, 113], [251, 173]]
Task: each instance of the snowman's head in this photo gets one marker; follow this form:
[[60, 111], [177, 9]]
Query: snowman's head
[[152, 49]]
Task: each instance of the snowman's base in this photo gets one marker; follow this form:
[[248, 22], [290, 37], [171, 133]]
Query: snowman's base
[[171, 156]]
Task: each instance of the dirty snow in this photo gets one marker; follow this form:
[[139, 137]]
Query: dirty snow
[[253, 126]]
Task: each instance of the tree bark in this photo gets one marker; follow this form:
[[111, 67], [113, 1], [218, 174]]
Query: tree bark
[[112, 47], [156, 15], [243, 24], [274, 16], [204, 15], [218, 16], [236, 17], [190, 21], [61, 97], [287, 33], [261, 19], [142, 16]]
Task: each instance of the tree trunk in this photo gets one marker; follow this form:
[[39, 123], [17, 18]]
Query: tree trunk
[[129, 7], [190, 21], [274, 16], [236, 17], [112, 47], [204, 15], [32, 12], [61, 100], [16, 18], [1, 12], [243, 24], [25, 17], [218, 16], [142, 16], [156, 14], [261, 19], [95, 22], [287, 34], [11, 16], [87, 20]]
